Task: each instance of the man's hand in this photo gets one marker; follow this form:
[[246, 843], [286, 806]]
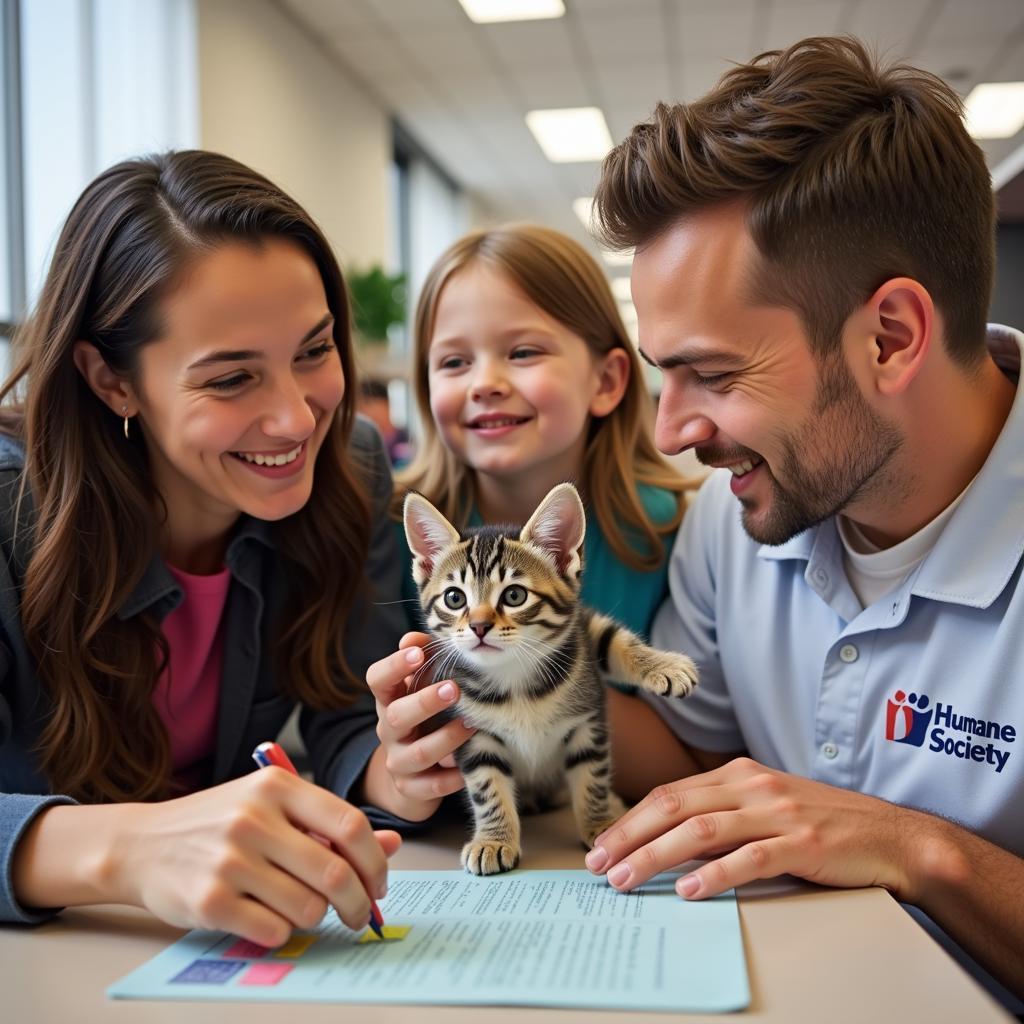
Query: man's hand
[[753, 822]]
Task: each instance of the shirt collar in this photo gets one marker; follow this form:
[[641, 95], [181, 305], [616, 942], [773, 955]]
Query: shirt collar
[[158, 585], [983, 542], [981, 546]]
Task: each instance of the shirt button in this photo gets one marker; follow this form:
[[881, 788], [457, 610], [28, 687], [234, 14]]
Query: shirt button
[[821, 576], [848, 653], [830, 750]]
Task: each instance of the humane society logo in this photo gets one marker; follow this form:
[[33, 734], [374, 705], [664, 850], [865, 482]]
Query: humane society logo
[[910, 719], [905, 723]]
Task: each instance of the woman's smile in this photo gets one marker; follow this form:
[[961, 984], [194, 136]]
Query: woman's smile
[[275, 464]]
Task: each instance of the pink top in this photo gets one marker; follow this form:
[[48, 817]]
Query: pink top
[[187, 694]]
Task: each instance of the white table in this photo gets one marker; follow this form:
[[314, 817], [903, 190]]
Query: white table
[[813, 954]]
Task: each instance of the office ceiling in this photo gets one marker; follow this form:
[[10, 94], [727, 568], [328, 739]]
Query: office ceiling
[[462, 89]]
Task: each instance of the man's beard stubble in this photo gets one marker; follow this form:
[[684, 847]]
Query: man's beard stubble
[[853, 446]]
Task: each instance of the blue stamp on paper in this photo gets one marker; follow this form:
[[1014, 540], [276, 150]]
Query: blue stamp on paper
[[208, 972]]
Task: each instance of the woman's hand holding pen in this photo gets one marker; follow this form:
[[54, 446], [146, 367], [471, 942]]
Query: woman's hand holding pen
[[239, 858], [413, 768]]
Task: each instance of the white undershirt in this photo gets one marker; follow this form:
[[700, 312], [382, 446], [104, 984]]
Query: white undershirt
[[874, 572]]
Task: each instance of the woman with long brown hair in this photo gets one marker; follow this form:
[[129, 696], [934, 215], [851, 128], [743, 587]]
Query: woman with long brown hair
[[194, 542]]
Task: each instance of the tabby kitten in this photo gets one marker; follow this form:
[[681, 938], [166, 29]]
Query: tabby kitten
[[503, 608]]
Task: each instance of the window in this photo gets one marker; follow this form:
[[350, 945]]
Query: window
[[99, 82], [430, 212], [12, 277]]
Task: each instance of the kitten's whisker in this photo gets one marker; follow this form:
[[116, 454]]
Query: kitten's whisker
[[443, 650], [543, 651], [534, 665], [450, 663], [433, 657], [546, 667], [518, 655], [541, 642]]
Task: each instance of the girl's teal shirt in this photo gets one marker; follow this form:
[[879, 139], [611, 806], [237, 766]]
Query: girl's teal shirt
[[631, 596]]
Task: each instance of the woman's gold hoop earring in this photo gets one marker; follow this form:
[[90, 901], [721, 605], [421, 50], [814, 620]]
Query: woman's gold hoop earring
[[124, 412]]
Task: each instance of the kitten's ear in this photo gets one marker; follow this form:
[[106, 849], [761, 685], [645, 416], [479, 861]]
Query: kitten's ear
[[428, 534], [558, 527]]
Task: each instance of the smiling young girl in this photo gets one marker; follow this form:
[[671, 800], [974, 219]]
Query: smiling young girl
[[187, 512], [525, 377]]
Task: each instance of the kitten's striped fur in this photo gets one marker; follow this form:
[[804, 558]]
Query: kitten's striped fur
[[503, 608]]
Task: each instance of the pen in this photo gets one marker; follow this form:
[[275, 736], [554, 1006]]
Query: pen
[[270, 753]]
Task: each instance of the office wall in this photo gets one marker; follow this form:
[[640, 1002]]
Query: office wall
[[273, 98]]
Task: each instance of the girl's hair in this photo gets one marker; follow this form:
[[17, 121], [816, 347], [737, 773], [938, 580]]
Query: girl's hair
[[124, 248], [559, 277]]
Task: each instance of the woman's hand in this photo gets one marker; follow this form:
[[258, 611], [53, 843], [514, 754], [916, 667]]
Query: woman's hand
[[413, 768], [238, 857]]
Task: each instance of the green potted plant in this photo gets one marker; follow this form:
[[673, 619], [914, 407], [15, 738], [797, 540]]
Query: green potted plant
[[378, 301]]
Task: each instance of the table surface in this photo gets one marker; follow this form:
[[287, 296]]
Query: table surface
[[813, 954]]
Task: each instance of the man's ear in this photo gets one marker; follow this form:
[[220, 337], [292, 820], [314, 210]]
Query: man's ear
[[613, 376], [428, 534], [897, 326], [113, 391]]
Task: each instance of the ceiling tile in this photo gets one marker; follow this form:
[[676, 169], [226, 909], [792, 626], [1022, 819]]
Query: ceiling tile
[[400, 14], [1009, 66], [889, 28], [722, 29], [444, 48], [462, 89], [600, 8], [485, 94], [699, 75], [789, 22], [397, 89], [543, 88], [530, 43], [634, 83], [635, 33], [960, 64], [975, 20], [330, 16], [370, 56]]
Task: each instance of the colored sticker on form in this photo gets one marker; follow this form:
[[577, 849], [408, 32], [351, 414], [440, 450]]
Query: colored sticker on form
[[392, 932]]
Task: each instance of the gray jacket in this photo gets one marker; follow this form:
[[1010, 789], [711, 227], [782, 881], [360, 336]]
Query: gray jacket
[[252, 708]]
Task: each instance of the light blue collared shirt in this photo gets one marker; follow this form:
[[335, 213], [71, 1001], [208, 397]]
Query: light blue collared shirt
[[917, 698]]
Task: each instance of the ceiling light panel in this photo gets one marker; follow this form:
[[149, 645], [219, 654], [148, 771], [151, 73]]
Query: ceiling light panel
[[487, 12], [995, 110], [570, 135]]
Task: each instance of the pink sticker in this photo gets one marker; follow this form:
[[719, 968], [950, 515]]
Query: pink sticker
[[243, 949], [265, 974]]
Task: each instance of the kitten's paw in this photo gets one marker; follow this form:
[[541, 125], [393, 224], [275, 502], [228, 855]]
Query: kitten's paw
[[489, 857], [590, 830], [669, 674]]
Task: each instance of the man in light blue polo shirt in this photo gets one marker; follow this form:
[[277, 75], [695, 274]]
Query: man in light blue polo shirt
[[814, 257]]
